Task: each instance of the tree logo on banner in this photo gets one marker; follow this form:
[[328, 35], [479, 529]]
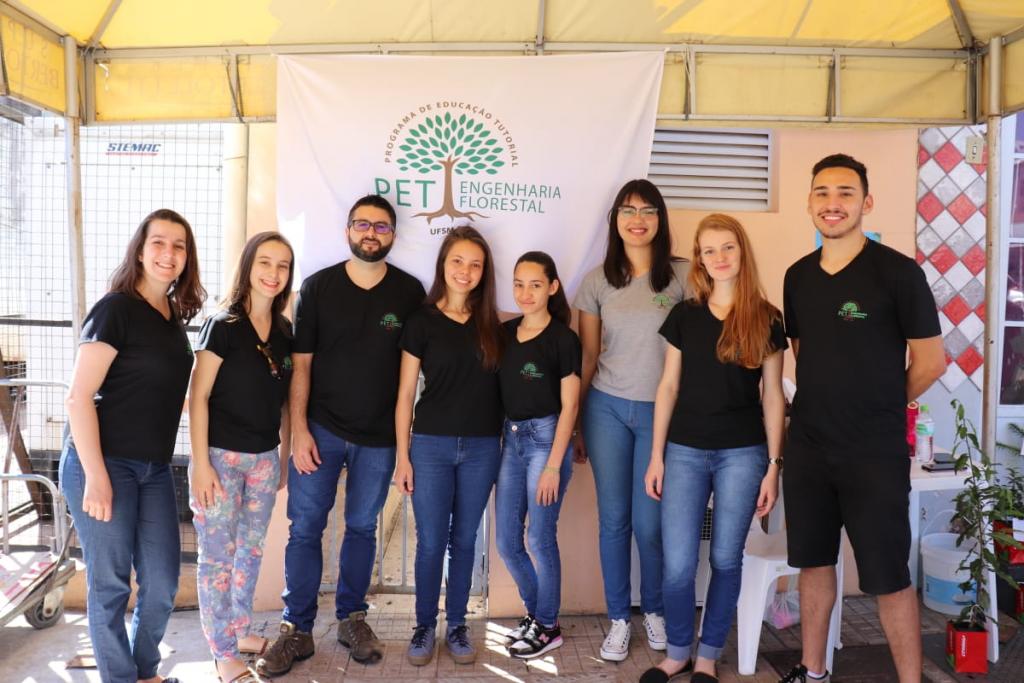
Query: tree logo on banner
[[457, 161], [461, 145]]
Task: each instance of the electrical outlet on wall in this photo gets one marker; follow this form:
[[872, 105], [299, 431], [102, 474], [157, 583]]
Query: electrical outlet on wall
[[974, 151]]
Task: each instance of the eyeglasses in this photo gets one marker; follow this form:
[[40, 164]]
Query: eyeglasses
[[275, 369], [627, 211], [381, 228]]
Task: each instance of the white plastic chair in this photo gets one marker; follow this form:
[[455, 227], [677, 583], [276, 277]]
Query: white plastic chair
[[764, 562]]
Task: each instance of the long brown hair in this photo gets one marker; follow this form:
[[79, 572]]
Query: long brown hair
[[186, 294], [237, 301], [746, 331], [617, 269], [481, 301]]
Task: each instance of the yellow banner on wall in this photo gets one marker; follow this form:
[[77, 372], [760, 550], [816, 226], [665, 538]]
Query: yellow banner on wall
[[33, 64]]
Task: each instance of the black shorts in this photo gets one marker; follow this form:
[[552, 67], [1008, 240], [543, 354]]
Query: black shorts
[[869, 494]]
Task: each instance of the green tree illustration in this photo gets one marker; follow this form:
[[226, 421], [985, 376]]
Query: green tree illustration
[[461, 145]]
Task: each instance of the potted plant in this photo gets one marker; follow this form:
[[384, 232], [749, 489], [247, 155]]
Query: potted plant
[[990, 494]]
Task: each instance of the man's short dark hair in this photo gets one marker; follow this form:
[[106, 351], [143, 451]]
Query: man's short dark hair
[[373, 200], [843, 161]]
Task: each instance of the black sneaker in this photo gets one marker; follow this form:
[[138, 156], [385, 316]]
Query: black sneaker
[[517, 633], [798, 674], [536, 641]]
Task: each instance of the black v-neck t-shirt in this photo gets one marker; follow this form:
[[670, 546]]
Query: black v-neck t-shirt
[[460, 397], [246, 399], [353, 335], [719, 404], [140, 401], [853, 328], [532, 371]]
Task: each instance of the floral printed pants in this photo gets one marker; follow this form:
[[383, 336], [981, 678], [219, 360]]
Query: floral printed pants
[[231, 533]]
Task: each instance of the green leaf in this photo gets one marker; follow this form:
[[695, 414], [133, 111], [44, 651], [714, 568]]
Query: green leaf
[[462, 164], [458, 150], [405, 148], [444, 148], [473, 159], [485, 133], [438, 121], [491, 171], [462, 119], [430, 123], [479, 165], [403, 168], [414, 132], [476, 143], [498, 164], [478, 127], [472, 171], [425, 169], [490, 157], [447, 117], [492, 141], [437, 167], [438, 153]]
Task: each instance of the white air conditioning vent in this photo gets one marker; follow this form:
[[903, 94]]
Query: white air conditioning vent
[[723, 169]]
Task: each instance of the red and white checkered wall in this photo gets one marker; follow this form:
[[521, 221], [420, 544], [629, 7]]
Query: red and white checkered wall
[[951, 245]]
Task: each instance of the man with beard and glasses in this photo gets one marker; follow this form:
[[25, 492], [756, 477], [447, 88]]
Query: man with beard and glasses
[[852, 309], [348, 321]]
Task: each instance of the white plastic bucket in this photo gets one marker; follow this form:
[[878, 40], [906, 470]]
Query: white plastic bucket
[[940, 559]]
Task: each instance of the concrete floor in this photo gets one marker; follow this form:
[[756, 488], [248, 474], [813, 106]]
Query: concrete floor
[[32, 656]]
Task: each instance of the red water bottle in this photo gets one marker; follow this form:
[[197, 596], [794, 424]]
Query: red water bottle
[[912, 410]]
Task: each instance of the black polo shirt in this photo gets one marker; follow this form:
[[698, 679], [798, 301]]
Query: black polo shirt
[[140, 401], [353, 335], [460, 397], [853, 328], [719, 404], [246, 399], [531, 372]]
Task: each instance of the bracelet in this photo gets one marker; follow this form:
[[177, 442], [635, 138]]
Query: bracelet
[[556, 470], [775, 461]]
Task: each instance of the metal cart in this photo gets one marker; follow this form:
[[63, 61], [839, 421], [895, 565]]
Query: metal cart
[[34, 564]]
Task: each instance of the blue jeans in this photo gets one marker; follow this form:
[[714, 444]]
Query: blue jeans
[[452, 480], [691, 475], [524, 454], [617, 433], [310, 499], [142, 533]]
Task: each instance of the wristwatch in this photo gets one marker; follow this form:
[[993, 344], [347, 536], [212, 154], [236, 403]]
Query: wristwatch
[[775, 461]]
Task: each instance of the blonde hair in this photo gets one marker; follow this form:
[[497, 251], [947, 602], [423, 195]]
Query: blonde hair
[[746, 331]]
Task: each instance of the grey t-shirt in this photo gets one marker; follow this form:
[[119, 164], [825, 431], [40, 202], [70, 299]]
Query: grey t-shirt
[[632, 352]]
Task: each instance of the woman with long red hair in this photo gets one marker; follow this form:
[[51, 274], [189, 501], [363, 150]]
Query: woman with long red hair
[[721, 413]]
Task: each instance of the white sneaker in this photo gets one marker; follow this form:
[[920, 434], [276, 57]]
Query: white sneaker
[[615, 647], [655, 627]]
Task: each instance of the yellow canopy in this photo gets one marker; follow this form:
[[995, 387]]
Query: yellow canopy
[[912, 61]]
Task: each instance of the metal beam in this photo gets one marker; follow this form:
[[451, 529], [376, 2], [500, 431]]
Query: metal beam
[[1013, 36], [993, 230], [963, 29], [101, 27], [542, 7], [21, 16], [73, 173], [373, 48]]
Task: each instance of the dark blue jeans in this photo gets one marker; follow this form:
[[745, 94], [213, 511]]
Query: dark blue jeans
[[524, 454], [691, 475], [310, 499], [142, 533], [618, 433], [452, 480]]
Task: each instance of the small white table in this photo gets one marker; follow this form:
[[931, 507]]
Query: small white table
[[923, 480]]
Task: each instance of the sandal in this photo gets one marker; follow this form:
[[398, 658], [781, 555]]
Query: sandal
[[257, 652], [247, 676]]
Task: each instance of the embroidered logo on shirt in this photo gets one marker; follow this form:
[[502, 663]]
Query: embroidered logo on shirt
[[287, 363], [851, 311], [529, 372], [661, 300], [390, 322]]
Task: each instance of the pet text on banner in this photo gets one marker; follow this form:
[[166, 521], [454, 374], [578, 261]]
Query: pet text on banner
[[529, 150]]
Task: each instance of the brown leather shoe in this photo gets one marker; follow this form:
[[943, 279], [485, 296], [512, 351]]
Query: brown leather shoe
[[291, 646], [355, 634]]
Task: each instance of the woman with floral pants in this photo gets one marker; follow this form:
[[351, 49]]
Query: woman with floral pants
[[238, 417]]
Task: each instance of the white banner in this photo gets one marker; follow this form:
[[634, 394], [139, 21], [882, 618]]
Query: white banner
[[529, 150]]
